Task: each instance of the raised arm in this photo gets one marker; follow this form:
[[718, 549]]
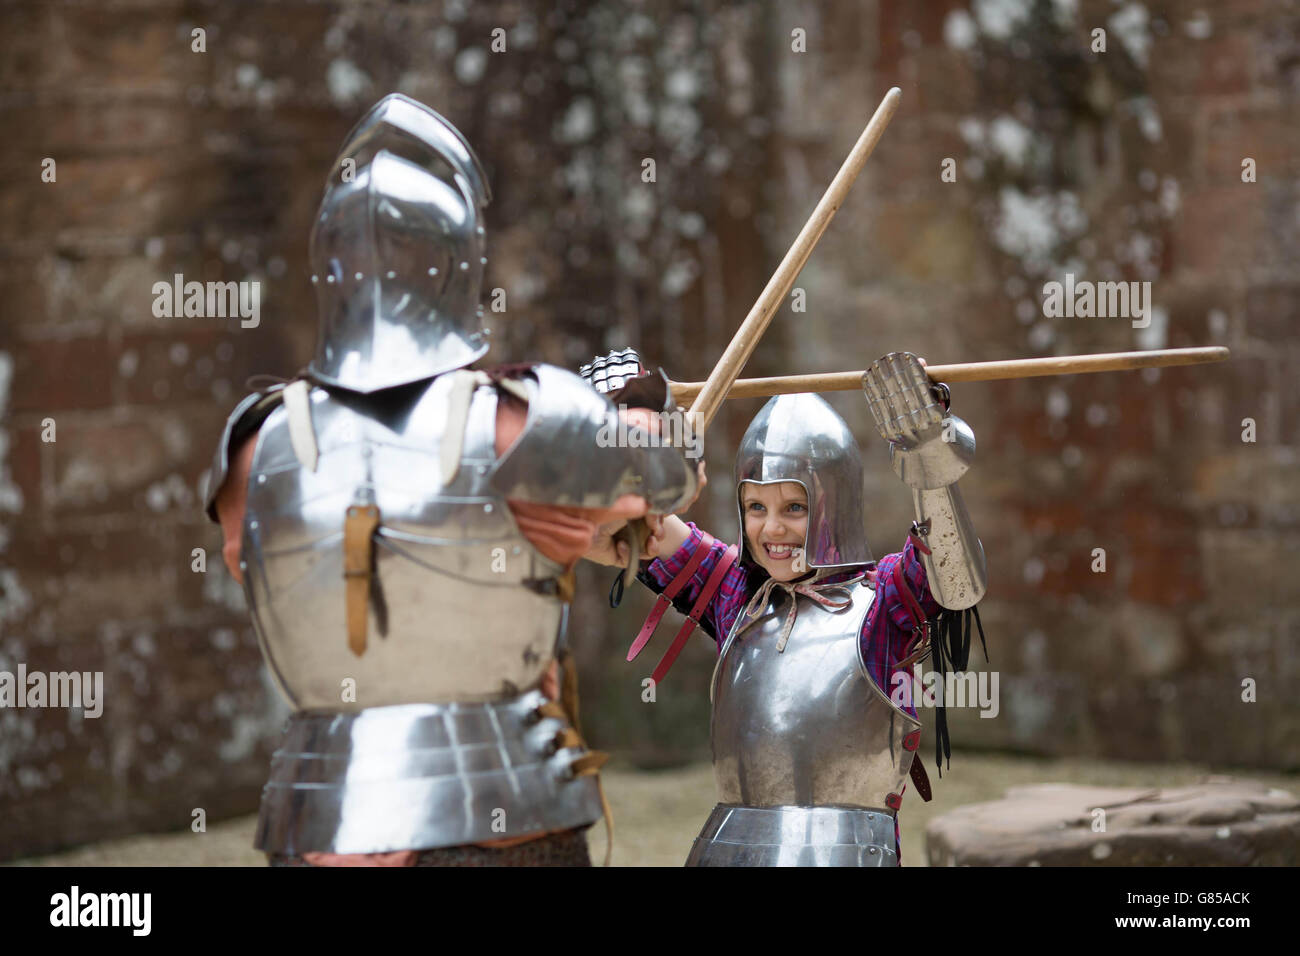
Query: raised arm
[[930, 449]]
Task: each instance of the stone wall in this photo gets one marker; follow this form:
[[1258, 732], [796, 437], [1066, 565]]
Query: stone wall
[[1117, 165]]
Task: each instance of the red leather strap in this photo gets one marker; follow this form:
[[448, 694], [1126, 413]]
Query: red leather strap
[[710, 588], [913, 606], [921, 779], [913, 740], [666, 598]]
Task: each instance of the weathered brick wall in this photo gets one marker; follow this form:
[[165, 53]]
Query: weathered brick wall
[[1123, 164]]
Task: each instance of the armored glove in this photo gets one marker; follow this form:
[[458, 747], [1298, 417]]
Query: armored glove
[[622, 378], [930, 449]]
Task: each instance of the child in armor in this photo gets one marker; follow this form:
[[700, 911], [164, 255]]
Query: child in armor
[[814, 730]]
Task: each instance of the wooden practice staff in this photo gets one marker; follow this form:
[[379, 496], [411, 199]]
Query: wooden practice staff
[[685, 393], [707, 399]]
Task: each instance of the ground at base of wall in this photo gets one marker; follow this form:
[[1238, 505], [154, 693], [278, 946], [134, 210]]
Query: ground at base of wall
[[657, 814]]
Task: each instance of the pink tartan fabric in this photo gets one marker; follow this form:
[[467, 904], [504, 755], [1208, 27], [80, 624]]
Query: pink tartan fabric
[[887, 635]]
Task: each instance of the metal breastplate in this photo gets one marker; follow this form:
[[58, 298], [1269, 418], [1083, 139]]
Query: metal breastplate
[[463, 608], [805, 728]]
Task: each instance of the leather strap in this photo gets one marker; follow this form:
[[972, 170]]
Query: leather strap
[[921, 779], [666, 598], [693, 619], [566, 585], [569, 688], [912, 604], [916, 536], [913, 740], [358, 567], [302, 434], [589, 764], [919, 623], [553, 709]]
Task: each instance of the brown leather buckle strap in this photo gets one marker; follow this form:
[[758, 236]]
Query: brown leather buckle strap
[[589, 764], [358, 567]]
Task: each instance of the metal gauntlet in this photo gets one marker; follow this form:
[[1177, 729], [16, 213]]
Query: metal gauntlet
[[930, 449], [671, 456]]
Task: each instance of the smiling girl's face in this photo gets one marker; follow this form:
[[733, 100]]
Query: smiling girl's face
[[776, 525]]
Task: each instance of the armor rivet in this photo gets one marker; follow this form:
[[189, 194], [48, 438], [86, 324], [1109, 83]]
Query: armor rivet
[[243, 565], [358, 276], [464, 266], [482, 469], [483, 260], [329, 280], [391, 274], [487, 508], [433, 272], [315, 279], [261, 479], [516, 550], [479, 230], [252, 525]]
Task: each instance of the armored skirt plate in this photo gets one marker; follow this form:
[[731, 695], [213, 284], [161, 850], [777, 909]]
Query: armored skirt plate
[[420, 776], [795, 836]]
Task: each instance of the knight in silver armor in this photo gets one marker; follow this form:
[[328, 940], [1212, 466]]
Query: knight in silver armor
[[810, 749], [407, 611]]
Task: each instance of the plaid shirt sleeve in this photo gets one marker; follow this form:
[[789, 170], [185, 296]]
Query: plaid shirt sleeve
[[887, 633], [727, 602]]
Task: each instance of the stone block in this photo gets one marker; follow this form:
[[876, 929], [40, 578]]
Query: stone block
[[1221, 822]]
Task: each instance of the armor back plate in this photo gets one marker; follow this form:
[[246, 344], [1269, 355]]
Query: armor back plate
[[463, 608]]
